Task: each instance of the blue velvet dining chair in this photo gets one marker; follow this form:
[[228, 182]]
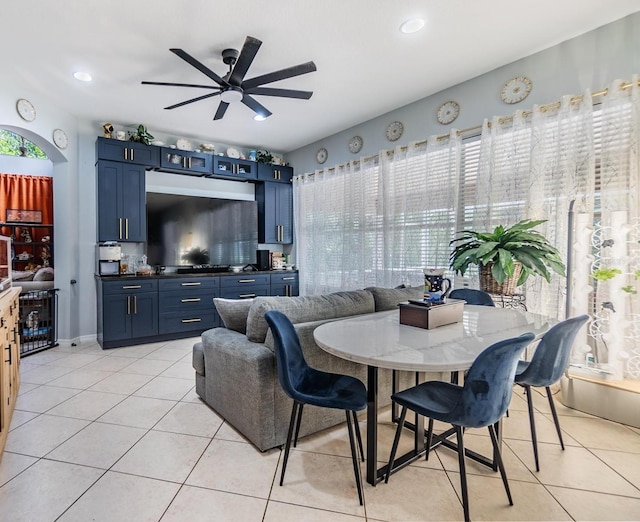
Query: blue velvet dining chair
[[548, 363], [472, 296], [306, 385], [481, 402]]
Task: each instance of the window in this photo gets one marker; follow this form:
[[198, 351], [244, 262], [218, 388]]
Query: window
[[12, 144]]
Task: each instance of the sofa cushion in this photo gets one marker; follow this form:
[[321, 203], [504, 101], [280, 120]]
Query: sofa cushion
[[44, 274], [233, 312], [390, 298], [303, 309]]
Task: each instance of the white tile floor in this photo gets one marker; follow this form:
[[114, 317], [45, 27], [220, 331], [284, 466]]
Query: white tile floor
[[121, 436]]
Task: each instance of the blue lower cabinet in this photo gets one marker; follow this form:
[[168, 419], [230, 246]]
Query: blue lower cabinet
[[128, 310], [284, 284]]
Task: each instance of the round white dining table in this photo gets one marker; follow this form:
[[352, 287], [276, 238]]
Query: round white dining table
[[380, 341]]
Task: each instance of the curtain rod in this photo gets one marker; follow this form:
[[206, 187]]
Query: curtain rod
[[504, 119]]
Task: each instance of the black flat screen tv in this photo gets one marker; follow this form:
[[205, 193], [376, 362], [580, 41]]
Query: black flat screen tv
[[192, 230]]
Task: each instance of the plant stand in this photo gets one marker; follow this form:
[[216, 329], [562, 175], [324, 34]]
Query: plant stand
[[515, 301]]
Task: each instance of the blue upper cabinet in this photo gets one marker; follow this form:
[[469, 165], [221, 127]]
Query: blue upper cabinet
[[185, 162], [232, 168], [127, 152], [275, 212], [121, 202], [275, 173]]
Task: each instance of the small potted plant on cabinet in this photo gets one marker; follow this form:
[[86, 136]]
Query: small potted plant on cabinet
[[506, 257]]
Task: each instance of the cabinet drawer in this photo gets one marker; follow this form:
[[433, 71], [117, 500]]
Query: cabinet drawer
[[289, 278], [130, 286], [176, 322], [178, 300], [189, 284], [244, 280], [244, 292]]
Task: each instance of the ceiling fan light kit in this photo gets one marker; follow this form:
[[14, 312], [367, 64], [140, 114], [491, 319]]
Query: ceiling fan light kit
[[233, 88]]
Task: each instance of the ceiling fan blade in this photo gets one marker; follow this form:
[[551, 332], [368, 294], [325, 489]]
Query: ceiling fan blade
[[222, 108], [201, 67], [282, 74], [285, 93], [170, 84], [256, 107], [187, 102], [248, 53]]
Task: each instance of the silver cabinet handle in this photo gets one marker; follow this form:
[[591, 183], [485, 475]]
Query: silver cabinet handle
[[288, 278], [246, 281], [131, 154], [191, 300], [197, 320], [126, 153], [119, 228], [128, 305], [190, 284], [135, 304], [131, 287], [242, 296]]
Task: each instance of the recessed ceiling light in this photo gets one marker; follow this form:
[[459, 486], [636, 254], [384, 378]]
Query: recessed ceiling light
[[82, 76], [259, 117], [412, 25]]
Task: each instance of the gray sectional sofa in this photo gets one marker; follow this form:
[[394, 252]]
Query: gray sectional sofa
[[235, 365]]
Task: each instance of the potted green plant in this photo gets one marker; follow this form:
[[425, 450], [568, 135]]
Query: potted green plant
[[507, 256], [141, 135]]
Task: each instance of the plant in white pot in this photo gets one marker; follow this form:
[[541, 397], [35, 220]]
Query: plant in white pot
[[507, 256]]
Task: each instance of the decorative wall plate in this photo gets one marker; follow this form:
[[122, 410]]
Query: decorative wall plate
[[183, 144], [355, 144], [448, 112], [322, 155], [26, 110], [516, 89], [394, 130], [60, 139], [233, 153]]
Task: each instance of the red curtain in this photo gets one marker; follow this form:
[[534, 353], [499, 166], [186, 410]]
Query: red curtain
[[23, 192]]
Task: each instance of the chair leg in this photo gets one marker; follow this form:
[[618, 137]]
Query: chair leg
[[358, 436], [498, 456], [354, 458], [287, 446], [555, 416], [295, 439], [532, 422], [429, 437], [463, 474], [396, 439]]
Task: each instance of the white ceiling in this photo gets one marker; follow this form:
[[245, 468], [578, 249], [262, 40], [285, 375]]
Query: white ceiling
[[366, 67]]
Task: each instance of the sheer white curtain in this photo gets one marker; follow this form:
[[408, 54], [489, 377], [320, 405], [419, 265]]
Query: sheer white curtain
[[379, 221], [531, 167], [616, 241]]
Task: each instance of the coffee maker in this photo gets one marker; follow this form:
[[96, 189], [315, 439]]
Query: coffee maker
[[108, 256]]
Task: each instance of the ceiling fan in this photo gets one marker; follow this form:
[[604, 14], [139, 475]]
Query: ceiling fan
[[232, 87]]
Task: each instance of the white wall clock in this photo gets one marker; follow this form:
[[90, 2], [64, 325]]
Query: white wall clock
[[355, 144], [322, 155], [448, 112], [60, 139], [26, 110], [516, 89], [394, 130]]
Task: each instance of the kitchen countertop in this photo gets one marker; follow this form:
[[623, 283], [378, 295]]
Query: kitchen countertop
[[172, 275]]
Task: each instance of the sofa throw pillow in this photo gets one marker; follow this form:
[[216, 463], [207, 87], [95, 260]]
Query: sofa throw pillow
[[390, 298], [304, 309], [233, 313], [22, 275]]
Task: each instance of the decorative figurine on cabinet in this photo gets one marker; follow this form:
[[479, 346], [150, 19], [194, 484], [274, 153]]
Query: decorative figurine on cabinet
[[107, 128]]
